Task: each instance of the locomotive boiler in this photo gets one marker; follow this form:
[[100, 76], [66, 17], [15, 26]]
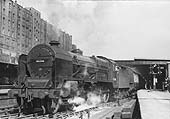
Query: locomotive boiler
[[49, 76]]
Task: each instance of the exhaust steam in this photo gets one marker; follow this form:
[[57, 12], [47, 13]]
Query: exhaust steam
[[81, 103]]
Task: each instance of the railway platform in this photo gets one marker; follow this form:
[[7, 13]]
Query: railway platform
[[123, 111], [154, 104]]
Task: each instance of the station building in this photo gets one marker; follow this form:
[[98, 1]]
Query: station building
[[65, 40], [43, 31], [8, 21], [154, 71], [36, 16], [24, 30]]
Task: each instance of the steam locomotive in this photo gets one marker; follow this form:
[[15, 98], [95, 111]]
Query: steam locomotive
[[49, 77]]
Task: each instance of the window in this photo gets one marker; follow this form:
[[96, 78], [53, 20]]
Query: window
[[12, 33], [9, 33], [9, 23], [3, 30], [18, 27], [9, 5], [23, 18], [4, 10], [3, 20], [9, 13], [4, 2]]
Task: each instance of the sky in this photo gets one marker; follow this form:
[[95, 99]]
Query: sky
[[114, 29]]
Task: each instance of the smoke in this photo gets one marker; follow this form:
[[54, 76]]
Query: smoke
[[82, 107], [84, 20], [71, 85], [101, 26], [93, 99], [69, 88], [76, 100], [82, 103]]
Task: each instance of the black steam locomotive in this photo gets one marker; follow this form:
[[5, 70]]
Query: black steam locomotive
[[49, 76]]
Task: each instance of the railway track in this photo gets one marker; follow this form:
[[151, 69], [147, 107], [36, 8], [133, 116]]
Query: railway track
[[83, 114], [103, 109]]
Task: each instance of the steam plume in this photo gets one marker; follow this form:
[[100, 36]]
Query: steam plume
[[92, 100]]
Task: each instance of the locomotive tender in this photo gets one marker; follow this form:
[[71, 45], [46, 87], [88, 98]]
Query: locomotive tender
[[48, 74]]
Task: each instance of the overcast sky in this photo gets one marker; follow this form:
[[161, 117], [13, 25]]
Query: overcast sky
[[118, 30]]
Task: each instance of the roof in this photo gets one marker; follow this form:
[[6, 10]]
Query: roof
[[142, 61]]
